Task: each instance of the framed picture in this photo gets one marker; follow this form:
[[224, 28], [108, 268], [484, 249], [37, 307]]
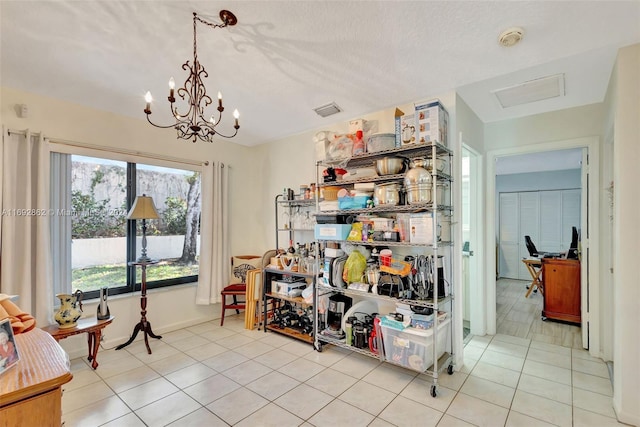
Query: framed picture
[[8, 350]]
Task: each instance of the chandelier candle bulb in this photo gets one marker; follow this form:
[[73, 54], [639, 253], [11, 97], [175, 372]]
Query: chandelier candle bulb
[[148, 98], [236, 115], [172, 86], [220, 108]]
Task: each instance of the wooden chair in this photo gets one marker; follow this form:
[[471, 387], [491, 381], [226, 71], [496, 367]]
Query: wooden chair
[[235, 289]]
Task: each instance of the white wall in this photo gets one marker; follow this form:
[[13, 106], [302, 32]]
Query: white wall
[[554, 126], [626, 298], [112, 250]]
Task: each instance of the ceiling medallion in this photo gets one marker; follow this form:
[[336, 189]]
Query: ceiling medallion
[[192, 123]]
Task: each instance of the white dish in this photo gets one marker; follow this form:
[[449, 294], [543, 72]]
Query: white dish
[[368, 307]]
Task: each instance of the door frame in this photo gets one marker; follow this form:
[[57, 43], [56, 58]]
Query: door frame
[[476, 293], [590, 308]]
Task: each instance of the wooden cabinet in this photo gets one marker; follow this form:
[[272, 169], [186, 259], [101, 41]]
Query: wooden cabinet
[[561, 285], [30, 391]]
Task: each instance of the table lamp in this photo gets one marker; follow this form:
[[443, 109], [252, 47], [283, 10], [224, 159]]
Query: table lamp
[[144, 209]]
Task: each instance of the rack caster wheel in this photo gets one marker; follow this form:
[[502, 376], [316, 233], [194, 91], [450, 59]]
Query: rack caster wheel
[[450, 370], [318, 347], [543, 318], [433, 391]]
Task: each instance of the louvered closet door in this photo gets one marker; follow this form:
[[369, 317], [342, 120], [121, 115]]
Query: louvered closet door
[[570, 215], [508, 258], [546, 216], [528, 219], [550, 221]]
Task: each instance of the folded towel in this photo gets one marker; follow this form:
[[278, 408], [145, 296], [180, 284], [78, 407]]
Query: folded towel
[[21, 321]]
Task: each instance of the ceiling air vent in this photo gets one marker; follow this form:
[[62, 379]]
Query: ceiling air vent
[[327, 110], [531, 91]]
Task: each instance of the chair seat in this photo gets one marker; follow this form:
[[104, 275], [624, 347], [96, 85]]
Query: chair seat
[[236, 287]]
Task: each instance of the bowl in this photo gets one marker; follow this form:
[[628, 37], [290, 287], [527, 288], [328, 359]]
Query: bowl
[[390, 165]]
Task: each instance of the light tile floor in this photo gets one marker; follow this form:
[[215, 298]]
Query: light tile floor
[[208, 375]]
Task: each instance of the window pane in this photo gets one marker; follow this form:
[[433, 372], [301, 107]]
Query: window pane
[[174, 239], [98, 223]]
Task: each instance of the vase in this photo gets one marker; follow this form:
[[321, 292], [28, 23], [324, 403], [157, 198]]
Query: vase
[[70, 309]]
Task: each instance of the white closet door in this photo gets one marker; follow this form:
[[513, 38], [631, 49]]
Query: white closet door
[[529, 222], [570, 215], [508, 260], [550, 221]]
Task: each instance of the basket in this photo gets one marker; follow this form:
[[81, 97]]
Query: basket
[[331, 192]]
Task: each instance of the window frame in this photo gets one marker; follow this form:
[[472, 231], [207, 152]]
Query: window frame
[[133, 274]]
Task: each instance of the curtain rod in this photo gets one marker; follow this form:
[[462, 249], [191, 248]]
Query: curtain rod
[[117, 150]]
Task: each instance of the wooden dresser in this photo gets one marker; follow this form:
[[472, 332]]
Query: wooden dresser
[[561, 285], [31, 391]]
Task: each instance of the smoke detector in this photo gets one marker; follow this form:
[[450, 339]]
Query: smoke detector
[[510, 36]]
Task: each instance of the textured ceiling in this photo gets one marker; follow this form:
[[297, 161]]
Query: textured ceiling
[[286, 57]]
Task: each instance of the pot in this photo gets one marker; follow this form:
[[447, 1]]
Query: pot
[[386, 194], [390, 165], [417, 175], [418, 193], [421, 193]]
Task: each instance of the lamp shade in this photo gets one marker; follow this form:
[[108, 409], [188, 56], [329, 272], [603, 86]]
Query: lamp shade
[[143, 208]]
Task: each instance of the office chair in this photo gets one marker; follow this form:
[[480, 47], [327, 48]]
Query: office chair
[[535, 253]]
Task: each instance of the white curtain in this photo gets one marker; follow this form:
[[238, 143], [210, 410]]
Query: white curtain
[[214, 237], [25, 256]]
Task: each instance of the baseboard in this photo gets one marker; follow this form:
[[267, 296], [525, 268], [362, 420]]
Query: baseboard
[[625, 417]]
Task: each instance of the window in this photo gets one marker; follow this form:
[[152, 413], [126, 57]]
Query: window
[[92, 196]]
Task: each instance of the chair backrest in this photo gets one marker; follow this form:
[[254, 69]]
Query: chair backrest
[[239, 267], [530, 246]]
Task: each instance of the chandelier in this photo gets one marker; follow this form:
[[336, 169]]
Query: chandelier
[[192, 123]]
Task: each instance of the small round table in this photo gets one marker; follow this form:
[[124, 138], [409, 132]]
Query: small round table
[[92, 326]]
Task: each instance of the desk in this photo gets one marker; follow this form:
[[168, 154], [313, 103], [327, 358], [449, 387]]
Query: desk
[[92, 326], [534, 266], [561, 279], [31, 391]]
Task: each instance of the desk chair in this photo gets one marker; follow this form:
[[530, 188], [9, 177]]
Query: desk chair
[[535, 253], [238, 285]]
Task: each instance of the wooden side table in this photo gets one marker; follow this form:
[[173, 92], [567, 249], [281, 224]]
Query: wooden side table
[[92, 326]]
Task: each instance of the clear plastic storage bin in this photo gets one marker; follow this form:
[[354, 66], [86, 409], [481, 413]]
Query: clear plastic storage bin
[[412, 347]]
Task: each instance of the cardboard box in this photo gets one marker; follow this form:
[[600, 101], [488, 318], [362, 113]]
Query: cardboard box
[[421, 228], [356, 125], [431, 122], [405, 128], [284, 288], [332, 231]]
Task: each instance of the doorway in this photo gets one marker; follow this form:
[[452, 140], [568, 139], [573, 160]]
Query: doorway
[[588, 225], [472, 220]]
